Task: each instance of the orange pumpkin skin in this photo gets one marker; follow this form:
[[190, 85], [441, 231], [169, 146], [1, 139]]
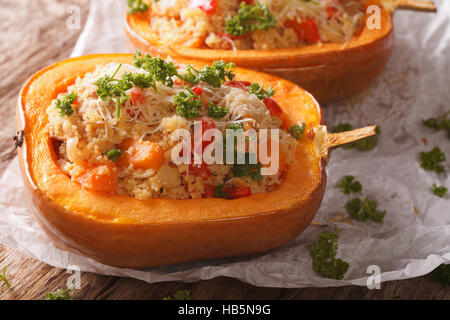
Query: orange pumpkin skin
[[330, 71], [126, 232]]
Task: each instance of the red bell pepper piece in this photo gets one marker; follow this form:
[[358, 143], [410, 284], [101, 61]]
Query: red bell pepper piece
[[238, 84], [274, 107], [306, 30], [237, 192], [209, 6], [197, 90]]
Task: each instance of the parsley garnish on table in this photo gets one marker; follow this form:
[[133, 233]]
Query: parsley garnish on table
[[364, 210], [65, 105], [4, 279], [180, 295], [439, 191], [59, 294], [366, 144], [348, 185], [432, 160], [187, 103], [135, 6], [324, 253], [250, 18], [440, 123], [258, 91]]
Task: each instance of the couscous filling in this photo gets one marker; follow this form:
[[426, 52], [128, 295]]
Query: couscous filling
[[116, 130]]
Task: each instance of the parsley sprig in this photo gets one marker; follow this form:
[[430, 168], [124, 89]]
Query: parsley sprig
[[247, 169], [187, 103], [364, 210], [440, 123], [214, 75], [235, 126], [324, 253], [220, 193], [348, 185], [250, 18], [4, 279], [432, 160], [109, 87], [65, 105], [258, 90], [113, 154], [136, 6], [59, 294], [157, 68], [163, 71], [297, 131], [217, 112], [180, 295], [439, 191]]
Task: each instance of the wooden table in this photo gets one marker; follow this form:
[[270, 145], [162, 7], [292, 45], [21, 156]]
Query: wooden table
[[34, 35]]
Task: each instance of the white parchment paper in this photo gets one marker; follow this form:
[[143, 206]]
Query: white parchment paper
[[415, 236]]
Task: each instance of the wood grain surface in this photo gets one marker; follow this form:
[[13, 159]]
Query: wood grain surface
[[33, 35]]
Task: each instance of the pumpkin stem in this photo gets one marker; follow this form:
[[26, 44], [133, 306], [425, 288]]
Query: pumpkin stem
[[340, 138], [417, 5]]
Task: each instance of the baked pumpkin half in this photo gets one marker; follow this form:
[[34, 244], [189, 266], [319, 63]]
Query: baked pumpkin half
[[330, 48], [96, 172]]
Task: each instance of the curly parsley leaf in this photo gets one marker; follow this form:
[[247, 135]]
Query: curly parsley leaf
[[324, 253], [158, 69], [163, 71], [59, 294], [140, 80], [113, 154], [297, 131], [364, 210], [366, 144], [439, 191], [432, 160], [250, 18], [217, 112], [247, 169], [348, 185], [214, 75], [109, 87], [258, 90], [235, 126], [187, 103], [65, 105], [441, 274], [180, 295], [440, 123], [4, 279], [136, 6]]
